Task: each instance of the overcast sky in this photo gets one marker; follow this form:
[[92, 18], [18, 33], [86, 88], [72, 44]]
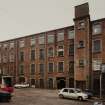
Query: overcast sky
[[24, 17]]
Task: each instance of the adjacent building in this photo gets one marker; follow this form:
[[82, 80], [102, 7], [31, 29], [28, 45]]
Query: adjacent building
[[65, 57]]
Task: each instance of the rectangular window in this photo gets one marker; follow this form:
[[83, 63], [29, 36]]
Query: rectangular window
[[12, 57], [41, 68], [32, 41], [32, 55], [97, 29], [61, 51], [42, 39], [81, 24], [60, 66], [5, 59], [96, 45], [71, 34], [50, 67], [50, 38], [41, 54], [81, 44], [81, 63], [12, 44], [21, 71], [21, 43], [32, 69], [50, 52], [71, 50], [21, 56], [60, 36]]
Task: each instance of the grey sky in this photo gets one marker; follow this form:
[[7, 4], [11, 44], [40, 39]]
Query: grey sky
[[24, 17]]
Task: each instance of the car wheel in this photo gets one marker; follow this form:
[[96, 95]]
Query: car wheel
[[80, 98], [61, 96]]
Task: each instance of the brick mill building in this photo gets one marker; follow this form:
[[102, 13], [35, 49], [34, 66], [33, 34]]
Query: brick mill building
[[65, 57]]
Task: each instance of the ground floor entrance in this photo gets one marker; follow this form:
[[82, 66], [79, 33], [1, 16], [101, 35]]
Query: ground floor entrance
[[61, 82]]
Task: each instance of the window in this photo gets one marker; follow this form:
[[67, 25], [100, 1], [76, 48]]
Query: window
[[61, 51], [71, 34], [42, 69], [96, 45], [71, 67], [65, 90], [71, 50], [50, 67], [21, 43], [21, 71], [32, 55], [41, 54], [5, 59], [32, 41], [50, 38], [60, 36], [60, 66], [21, 56], [71, 91], [5, 45], [11, 57], [81, 44], [81, 24], [97, 29], [32, 69], [12, 45], [50, 52], [41, 39], [81, 63]]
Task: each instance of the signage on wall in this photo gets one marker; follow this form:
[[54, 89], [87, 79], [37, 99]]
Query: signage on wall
[[103, 68], [96, 65]]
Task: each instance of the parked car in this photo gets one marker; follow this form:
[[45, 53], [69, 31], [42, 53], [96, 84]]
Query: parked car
[[89, 93], [22, 85], [5, 96], [8, 89], [73, 94]]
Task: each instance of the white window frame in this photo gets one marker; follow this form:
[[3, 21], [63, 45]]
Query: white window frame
[[51, 37], [94, 26], [58, 36], [48, 51], [93, 46], [58, 49]]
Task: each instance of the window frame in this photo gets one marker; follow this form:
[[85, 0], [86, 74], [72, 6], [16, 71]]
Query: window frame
[[60, 51], [100, 46], [53, 67], [58, 67]]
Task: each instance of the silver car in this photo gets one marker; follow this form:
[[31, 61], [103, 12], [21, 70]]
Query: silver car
[[72, 93]]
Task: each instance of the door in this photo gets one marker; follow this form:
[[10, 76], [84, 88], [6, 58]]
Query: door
[[65, 93], [72, 94]]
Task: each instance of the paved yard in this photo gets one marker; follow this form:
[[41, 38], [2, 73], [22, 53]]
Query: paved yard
[[41, 97]]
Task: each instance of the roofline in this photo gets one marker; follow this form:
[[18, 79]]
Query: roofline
[[37, 34], [98, 20], [72, 26]]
